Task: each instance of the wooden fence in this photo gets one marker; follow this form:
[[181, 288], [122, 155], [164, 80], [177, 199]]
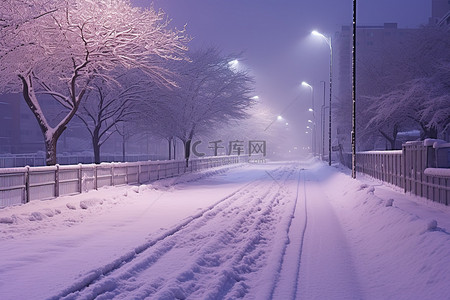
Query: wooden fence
[[21, 185], [420, 168]]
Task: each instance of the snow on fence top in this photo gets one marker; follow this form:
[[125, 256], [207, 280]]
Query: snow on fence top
[[437, 172], [20, 185]]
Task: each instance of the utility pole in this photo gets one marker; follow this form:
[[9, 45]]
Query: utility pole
[[354, 93]]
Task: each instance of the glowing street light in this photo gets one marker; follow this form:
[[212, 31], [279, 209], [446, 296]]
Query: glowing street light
[[278, 118], [233, 65], [329, 42], [313, 137], [305, 84]]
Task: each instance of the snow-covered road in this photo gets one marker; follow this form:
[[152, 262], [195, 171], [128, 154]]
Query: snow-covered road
[[297, 230]]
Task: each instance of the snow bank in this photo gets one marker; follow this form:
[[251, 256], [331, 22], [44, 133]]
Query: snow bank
[[400, 252]]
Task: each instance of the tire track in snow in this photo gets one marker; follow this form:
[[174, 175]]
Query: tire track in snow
[[285, 273], [230, 282], [97, 275], [302, 240], [326, 263], [180, 283]]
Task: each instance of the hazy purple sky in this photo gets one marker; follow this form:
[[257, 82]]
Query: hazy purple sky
[[275, 35]]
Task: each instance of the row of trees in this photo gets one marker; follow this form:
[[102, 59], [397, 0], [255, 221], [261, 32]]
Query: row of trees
[[107, 63], [403, 86]]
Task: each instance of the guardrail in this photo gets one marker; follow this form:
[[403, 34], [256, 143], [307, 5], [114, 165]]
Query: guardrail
[[421, 168], [21, 185], [33, 160]]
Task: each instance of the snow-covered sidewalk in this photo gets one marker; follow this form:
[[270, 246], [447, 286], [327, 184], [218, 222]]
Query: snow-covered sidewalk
[[297, 230]]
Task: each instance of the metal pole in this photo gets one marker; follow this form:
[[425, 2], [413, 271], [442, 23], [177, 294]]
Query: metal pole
[[329, 106], [354, 94], [322, 116], [314, 124]]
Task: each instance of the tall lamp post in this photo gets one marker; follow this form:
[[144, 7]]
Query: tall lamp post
[[354, 93], [328, 41], [313, 146], [322, 122]]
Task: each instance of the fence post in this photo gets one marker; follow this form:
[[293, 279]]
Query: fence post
[[95, 178], [139, 173], [112, 174], [80, 180], [57, 181], [404, 160], [27, 185]]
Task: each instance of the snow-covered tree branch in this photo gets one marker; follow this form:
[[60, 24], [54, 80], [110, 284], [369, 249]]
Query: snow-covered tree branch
[[62, 51]]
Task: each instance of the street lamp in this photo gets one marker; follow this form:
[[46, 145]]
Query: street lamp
[[278, 118], [305, 84], [233, 65], [329, 42]]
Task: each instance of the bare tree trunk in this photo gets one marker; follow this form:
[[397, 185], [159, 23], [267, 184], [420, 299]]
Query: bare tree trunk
[[50, 151], [428, 132], [123, 147], [187, 146], [174, 148], [187, 151], [50, 138], [96, 148], [96, 145], [169, 140]]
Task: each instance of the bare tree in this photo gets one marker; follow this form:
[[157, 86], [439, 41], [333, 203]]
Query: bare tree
[[62, 52], [107, 105], [210, 93]]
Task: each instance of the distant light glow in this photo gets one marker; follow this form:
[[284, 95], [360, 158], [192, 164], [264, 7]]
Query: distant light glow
[[234, 63], [287, 123], [309, 121], [304, 83], [279, 118], [316, 33], [255, 98], [310, 109]]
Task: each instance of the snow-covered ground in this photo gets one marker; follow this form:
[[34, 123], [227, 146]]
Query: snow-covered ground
[[292, 230]]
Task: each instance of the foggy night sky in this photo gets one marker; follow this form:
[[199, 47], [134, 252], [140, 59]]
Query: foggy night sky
[[275, 36]]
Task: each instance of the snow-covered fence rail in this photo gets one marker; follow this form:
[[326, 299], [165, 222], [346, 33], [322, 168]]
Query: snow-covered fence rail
[[35, 160], [21, 185], [420, 168]]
